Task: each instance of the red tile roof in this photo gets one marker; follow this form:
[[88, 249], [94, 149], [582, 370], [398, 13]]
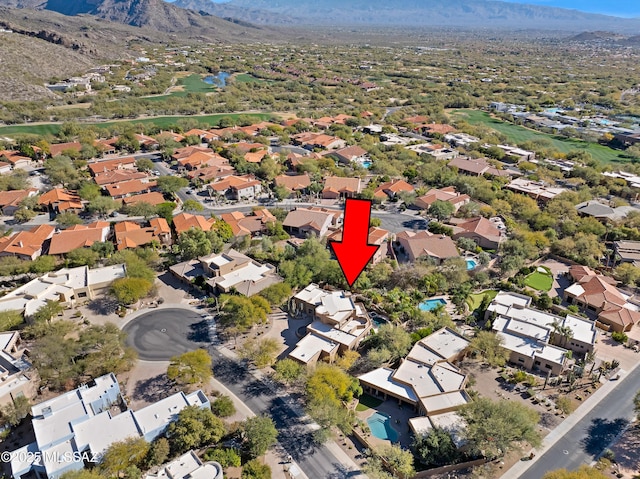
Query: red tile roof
[[185, 221]]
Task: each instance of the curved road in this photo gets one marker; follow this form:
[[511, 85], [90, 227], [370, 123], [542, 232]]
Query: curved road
[[164, 333], [161, 334], [583, 443]]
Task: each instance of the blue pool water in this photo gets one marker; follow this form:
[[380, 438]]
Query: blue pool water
[[431, 304], [366, 164], [380, 425], [218, 80], [471, 264]]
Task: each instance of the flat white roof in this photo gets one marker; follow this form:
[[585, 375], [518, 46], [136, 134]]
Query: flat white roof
[[107, 274], [453, 423], [112, 429], [382, 379], [453, 399], [161, 413], [429, 380], [250, 272], [333, 334], [420, 425], [310, 345], [583, 330], [529, 330], [445, 343]]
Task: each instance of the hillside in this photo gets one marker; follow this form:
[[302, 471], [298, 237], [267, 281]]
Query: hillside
[[415, 13], [152, 14]]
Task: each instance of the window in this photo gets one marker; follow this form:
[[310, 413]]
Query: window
[[537, 363], [520, 360], [548, 366], [82, 294]]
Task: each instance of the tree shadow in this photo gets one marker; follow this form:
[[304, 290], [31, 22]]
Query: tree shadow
[[152, 389], [104, 305], [601, 432], [229, 371], [257, 388], [199, 332], [342, 472]]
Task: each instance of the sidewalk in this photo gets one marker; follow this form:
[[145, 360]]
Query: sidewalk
[[548, 442]]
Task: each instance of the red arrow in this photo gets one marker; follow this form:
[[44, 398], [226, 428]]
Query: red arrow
[[354, 251]]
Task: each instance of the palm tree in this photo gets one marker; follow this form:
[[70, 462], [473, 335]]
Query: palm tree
[[559, 331]]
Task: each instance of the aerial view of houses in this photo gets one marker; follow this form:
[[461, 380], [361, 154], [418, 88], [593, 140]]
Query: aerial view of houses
[[173, 300]]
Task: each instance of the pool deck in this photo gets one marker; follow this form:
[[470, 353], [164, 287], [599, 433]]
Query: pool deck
[[399, 421]]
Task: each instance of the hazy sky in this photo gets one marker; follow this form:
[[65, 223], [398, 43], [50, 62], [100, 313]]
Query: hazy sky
[[621, 8]]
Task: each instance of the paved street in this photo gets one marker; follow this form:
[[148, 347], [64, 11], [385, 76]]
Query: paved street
[[584, 442], [159, 335], [295, 436]]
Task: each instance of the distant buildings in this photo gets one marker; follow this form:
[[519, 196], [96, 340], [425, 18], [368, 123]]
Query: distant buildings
[[420, 244], [305, 222]]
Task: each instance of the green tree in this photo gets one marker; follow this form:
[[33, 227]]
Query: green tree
[[435, 448], [165, 210], [61, 171], [192, 205], [171, 184], [102, 205], [276, 294], [43, 264], [627, 273], [101, 349], [224, 457], [104, 249], [259, 435], [261, 352], [223, 406], [14, 412], [194, 428], [122, 454], [82, 474], [130, 290], [158, 452], [583, 472], [241, 312], [400, 461], [89, 191], [441, 210], [493, 428], [636, 403], [193, 367], [141, 208], [489, 346], [392, 338], [144, 164], [194, 243], [288, 371], [254, 469], [68, 219], [82, 257], [22, 215], [10, 320], [47, 311]]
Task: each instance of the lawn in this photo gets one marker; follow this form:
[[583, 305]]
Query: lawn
[[161, 122], [539, 280], [367, 402], [247, 78], [475, 300], [519, 134]]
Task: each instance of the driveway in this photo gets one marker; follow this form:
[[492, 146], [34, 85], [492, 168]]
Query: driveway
[[164, 333]]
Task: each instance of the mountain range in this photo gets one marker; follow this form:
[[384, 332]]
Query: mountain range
[[483, 14], [153, 14]]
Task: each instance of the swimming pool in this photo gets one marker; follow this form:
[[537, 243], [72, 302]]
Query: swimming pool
[[431, 304], [471, 264], [380, 425], [366, 164]]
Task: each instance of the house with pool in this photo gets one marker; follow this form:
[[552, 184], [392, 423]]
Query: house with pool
[[338, 324], [427, 379]]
